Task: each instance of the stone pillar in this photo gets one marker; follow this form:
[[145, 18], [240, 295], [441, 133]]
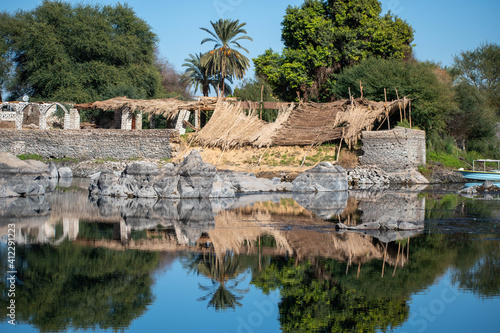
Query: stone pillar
[[138, 121], [152, 121], [197, 119], [67, 121], [126, 119], [42, 121], [19, 115], [74, 116], [181, 117]]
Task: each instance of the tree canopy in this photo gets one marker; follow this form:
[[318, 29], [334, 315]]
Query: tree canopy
[[80, 53], [481, 69], [323, 37], [225, 60]]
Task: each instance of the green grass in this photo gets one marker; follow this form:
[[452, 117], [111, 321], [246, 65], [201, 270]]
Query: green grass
[[31, 157], [46, 160], [446, 159]]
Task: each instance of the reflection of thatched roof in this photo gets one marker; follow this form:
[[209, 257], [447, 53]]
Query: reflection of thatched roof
[[305, 124], [168, 107]]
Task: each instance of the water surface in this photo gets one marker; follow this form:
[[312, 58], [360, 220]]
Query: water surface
[[268, 263]]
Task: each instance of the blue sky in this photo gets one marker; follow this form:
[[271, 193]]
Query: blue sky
[[442, 27]]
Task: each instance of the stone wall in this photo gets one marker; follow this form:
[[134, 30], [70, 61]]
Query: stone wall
[[92, 143], [394, 150]]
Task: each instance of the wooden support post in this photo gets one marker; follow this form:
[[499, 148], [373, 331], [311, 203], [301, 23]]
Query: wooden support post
[[261, 100], [397, 260], [385, 95], [410, 113], [399, 104], [361, 88], [385, 255]]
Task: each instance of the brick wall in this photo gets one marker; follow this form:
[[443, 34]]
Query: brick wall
[[92, 143], [397, 149]]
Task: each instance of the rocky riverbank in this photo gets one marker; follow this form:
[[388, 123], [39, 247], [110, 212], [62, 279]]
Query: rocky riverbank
[[194, 178]]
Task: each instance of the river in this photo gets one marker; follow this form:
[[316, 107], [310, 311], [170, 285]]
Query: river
[[256, 263]]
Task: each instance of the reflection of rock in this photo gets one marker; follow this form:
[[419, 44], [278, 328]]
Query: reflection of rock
[[385, 236], [405, 206], [324, 177], [324, 204], [24, 208], [385, 222]]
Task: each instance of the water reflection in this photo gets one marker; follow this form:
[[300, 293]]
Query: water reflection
[[91, 265]]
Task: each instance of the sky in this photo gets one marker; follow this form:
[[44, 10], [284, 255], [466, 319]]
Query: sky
[[443, 28]]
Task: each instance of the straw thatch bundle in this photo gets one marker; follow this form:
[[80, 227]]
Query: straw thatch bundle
[[167, 107], [230, 126], [308, 123]]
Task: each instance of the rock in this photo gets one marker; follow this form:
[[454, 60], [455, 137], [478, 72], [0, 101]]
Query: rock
[[385, 222], [52, 170], [325, 205], [38, 164], [167, 182], [196, 177], [65, 172], [19, 178], [324, 177], [10, 165], [145, 169]]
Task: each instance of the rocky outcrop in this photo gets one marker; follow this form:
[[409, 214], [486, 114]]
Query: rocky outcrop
[[365, 177], [486, 187], [324, 177], [192, 178], [385, 222], [19, 178]]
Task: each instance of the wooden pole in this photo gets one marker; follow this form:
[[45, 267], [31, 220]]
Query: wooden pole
[[410, 113], [261, 100], [397, 259], [340, 145], [350, 96], [385, 95], [404, 107], [383, 265], [399, 104], [361, 88]]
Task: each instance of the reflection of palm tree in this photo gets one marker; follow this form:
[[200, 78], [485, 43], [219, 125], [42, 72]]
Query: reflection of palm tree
[[224, 271]]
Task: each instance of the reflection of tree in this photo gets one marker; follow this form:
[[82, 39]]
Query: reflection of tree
[[224, 271], [72, 286], [482, 276], [311, 303]]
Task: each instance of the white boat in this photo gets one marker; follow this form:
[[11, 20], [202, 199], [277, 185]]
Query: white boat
[[482, 170]]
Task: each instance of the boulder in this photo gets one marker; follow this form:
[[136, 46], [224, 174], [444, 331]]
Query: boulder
[[65, 172], [196, 177], [324, 177], [52, 170], [19, 178], [385, 222]]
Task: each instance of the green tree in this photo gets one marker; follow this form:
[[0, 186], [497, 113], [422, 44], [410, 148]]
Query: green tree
[[225, 60], [427, 84], [474, 119], [481, 69], [253, 90], [198, 76], [323, 37], [76, 53], [174, 83]]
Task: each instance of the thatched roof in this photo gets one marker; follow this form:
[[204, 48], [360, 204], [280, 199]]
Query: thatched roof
[[168, 107], [305, 124]]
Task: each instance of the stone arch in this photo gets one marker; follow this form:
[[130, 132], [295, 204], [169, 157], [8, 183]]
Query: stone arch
[[71, 117]]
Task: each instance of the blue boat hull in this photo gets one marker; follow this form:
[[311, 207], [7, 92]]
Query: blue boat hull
[[480, 175]]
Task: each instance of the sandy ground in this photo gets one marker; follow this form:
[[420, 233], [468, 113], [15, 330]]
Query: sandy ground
[[268, 162]]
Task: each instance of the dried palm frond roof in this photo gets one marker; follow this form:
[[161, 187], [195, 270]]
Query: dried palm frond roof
[[304, 124], [168, 107], [230, 126]]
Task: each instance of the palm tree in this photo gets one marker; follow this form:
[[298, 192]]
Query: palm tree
[[225, 59], [199, 77]]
